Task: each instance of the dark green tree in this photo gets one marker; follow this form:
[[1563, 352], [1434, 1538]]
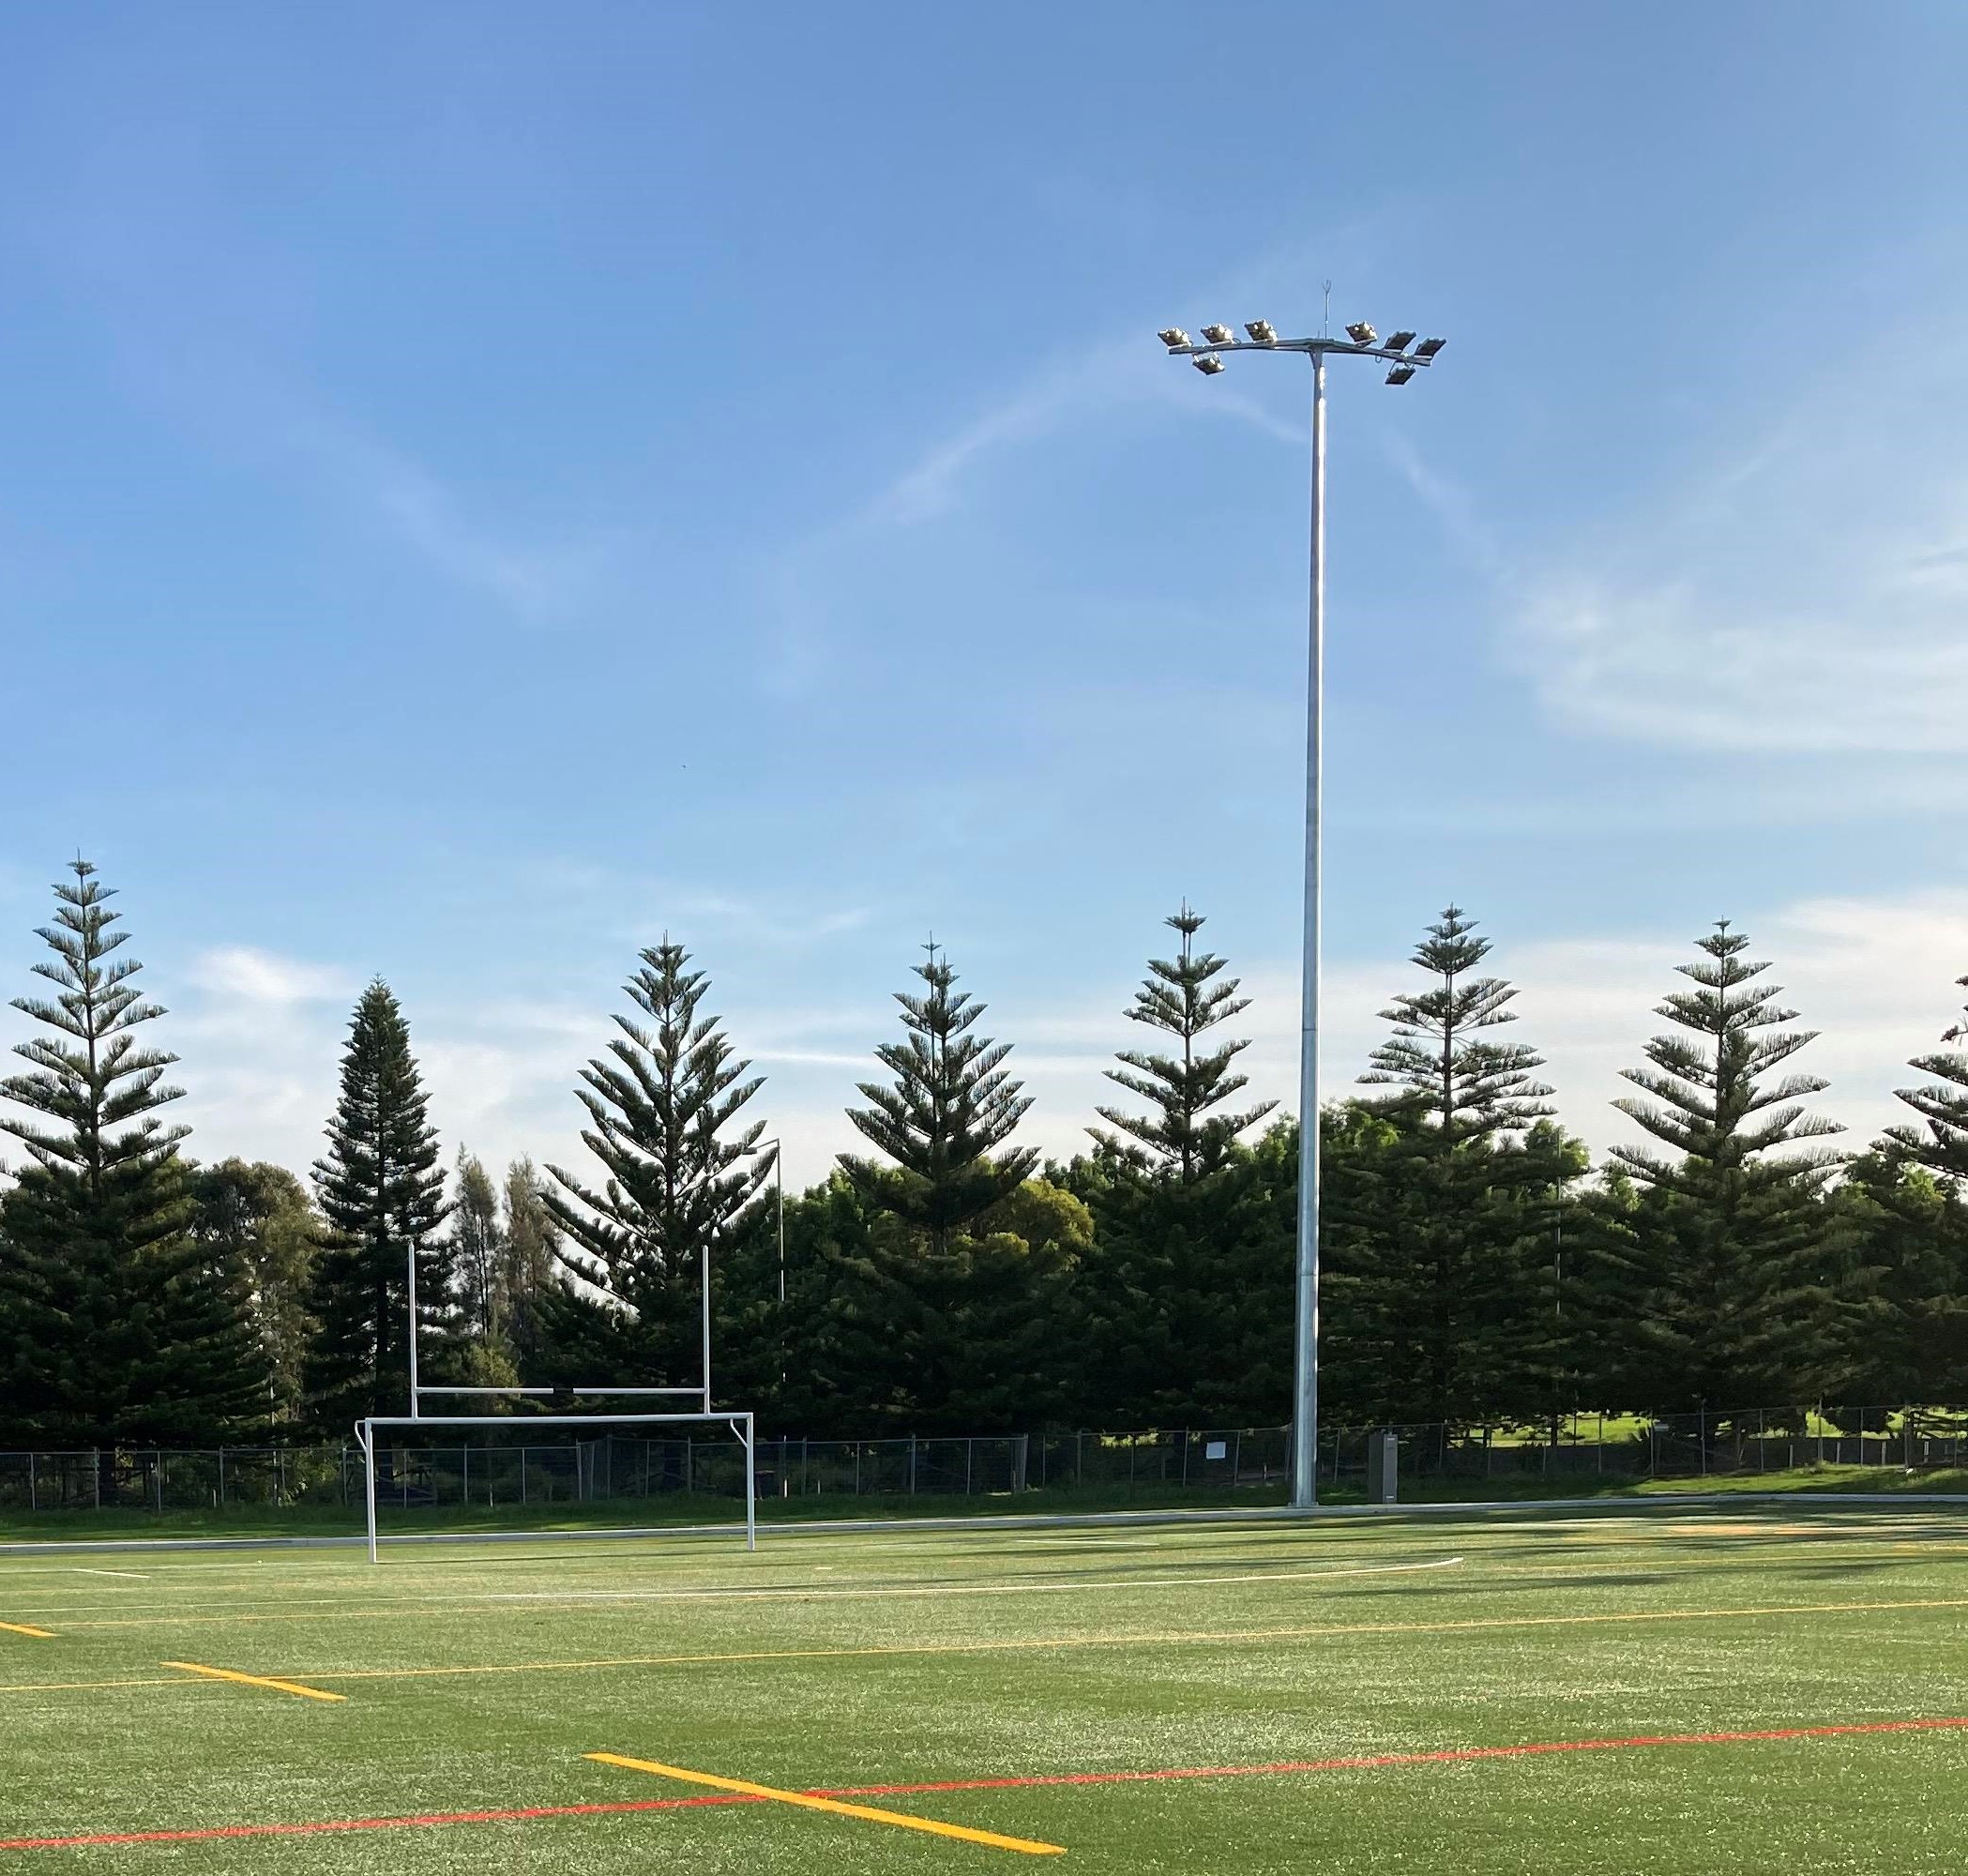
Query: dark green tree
[[1445, 1218], [952, 1105], [381, 1188], [1732, 1283], [1466, 1084], [477, 1251], [1905, 1228], [1940, 1143], [1188, 1253], [529, 1259], [683, 1170], [257, 1217], [116, 1324], [1181, 997]]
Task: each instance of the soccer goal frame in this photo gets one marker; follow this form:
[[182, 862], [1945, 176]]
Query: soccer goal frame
[[740, 1424]]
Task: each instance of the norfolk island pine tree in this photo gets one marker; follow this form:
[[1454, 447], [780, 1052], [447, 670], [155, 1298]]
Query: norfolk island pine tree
[[684, 1173], [1188, 1276], [116, 1324], [1446, 1203], [1728, 1266]]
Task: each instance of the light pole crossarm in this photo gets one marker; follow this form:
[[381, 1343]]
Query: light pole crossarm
[[1312, 347]]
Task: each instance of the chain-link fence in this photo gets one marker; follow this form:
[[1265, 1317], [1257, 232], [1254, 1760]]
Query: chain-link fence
[[528, 1465]]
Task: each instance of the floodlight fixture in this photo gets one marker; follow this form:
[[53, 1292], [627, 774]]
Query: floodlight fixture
[[1429, 347], [1220, 335], [1261, 330], [1400, 374], [1361, 333], [1399, 341], [1172, 337], [1207, 363]]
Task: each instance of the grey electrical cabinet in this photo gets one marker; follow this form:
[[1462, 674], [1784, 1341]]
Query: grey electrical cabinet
[[1383, 1468]]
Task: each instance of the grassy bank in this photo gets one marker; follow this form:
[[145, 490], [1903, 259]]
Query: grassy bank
[[686, 1509]]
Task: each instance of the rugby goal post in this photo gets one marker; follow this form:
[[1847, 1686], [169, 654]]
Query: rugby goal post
[[365, 1432]]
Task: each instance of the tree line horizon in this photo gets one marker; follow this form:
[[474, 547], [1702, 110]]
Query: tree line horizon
[[1477, 1267]]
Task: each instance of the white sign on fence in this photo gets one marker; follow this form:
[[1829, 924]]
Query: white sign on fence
[[1215, 1449]]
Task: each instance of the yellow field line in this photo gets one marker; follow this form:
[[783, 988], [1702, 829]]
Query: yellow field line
[[253, 1680], [1025, 1845], [21, 1628]]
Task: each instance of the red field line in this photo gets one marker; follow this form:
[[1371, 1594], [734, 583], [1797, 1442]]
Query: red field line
[[1370, 1762]]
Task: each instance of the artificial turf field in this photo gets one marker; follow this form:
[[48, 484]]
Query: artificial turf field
[[1347, 1695]]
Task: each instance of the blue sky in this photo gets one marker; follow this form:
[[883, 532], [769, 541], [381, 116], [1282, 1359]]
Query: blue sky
[[481, 487]]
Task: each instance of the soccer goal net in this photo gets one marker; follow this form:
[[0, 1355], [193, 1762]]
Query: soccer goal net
[[615, 1471]]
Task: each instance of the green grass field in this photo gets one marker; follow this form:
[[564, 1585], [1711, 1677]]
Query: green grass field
[[1040, 1685]]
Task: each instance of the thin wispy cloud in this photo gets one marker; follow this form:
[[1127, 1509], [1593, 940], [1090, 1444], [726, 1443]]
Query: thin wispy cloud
[[1810, 595]]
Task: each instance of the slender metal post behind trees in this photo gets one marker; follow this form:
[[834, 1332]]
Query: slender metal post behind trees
[[115, 1323]]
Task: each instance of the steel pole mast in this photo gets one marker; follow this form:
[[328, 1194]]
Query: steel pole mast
[[1305, 1355], [1361, 342]]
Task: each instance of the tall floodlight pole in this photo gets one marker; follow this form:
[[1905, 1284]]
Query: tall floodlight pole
[[1361, 342]]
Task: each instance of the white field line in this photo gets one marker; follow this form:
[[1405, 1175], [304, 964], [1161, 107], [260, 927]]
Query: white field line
[[81, 1570], [828, 1594], [812, 1593], [785, 1579]]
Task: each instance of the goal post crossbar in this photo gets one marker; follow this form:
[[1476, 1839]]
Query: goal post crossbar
[[740, 1424], [579, 1393]]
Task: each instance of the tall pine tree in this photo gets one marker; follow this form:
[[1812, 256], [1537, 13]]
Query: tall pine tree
[[381, 1188], [1467, 1085], [1187, 1257], [951, 1106], [1443, 1221], [683, 1170], [529, 1261], [115, 1326], [1180, 997], [1940, 1143], [477, 1252], [1733, 1270]]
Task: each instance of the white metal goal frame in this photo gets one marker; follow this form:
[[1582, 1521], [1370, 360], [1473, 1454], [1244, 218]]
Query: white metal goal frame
[[740, 1424]]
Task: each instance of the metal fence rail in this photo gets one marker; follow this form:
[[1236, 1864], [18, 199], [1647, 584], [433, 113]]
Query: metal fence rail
[[528, 1466]]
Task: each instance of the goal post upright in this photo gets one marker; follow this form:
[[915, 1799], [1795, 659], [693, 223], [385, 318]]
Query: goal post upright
[[742, 1424]]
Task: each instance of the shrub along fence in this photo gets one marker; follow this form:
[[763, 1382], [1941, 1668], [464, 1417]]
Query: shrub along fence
[[528, 1465]]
